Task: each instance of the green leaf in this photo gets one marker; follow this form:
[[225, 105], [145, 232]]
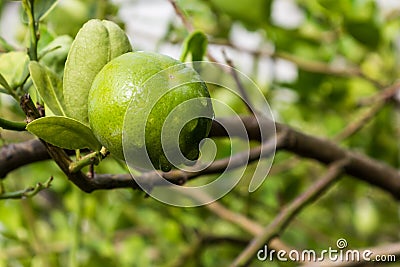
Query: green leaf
[[49, 86], [13, 67], [4, 45], [41, 8], [365, 32], [252, 15], [55, 53], [196, 45], [4, 83], [96, 43], [64, 132], [46, 37]]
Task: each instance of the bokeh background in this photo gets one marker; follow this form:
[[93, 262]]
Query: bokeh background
[[320, 65]]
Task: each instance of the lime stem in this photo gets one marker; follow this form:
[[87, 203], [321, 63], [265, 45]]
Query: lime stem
[[12, 125], [93, 158]]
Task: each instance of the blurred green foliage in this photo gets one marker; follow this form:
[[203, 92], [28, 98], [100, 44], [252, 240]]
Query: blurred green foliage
[[65, 227]]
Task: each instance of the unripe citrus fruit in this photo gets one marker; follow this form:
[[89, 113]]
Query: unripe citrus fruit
[[144, 94]]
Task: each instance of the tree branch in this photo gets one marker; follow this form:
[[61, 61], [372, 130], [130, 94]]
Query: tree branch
[[361, 167], [13, 156], [57, 154], [325, 151], [179, 177], [286, 215]]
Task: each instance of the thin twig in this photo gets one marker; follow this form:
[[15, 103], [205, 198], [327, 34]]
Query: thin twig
[[377, 101], [284, 166], [287, 214], [383, 95], [188, 25], [317, 66], [357, 125], [306, 64], [93, 158], [29, 192], [245, 97], [237, 219]]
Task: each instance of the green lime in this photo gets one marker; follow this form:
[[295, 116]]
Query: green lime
[[156, 101]]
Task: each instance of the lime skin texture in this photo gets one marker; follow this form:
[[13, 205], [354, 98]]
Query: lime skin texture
[[150, 107]]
